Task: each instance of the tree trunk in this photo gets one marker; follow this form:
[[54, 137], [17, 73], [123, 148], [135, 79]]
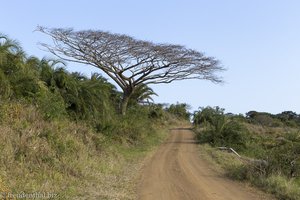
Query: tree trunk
[[127, 92], [124, 103]]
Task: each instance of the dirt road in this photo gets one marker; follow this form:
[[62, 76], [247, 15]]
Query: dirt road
[[177, 172]]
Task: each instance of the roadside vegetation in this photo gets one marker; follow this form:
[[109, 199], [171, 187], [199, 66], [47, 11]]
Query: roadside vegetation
[[269, 146], [63, 133]]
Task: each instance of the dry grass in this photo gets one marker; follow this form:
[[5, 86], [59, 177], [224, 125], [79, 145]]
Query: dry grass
[[271, 131], [229, 165], [65, 158]]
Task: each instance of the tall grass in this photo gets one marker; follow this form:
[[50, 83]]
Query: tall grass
[[72, 159], [228, 164]]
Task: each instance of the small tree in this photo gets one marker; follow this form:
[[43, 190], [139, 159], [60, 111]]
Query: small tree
[[131, 62]]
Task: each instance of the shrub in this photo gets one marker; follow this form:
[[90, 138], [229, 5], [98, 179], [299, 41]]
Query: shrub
[[180, 110], [5, 89], [219, 130], [208, 115], [51, 104], [235, 135], [156, 112], [284, 159], [232, 134]]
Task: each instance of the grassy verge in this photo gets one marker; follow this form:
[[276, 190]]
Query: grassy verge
[[71, 160], [269, 146], [231, 166], [123, 166]]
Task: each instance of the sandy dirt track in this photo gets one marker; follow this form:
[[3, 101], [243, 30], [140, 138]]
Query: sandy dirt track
[[177, 172]]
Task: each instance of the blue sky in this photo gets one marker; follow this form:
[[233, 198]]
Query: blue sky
[[257, 41]]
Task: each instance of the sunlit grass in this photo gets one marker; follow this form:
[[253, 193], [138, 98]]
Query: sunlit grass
[[70, 159], [231, 166]]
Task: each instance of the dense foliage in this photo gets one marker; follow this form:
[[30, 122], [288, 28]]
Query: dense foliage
[[59, 93], [180, 110], [219, 129], [59, 128]]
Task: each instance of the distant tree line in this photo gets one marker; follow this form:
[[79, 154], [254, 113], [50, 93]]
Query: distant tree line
[[288, 118]]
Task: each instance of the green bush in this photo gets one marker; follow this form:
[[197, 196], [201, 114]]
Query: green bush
[[180, 110], [156, 112], [51, 104], [284, 159], [235, 135], [25, 86], [232, 135], [219, 130], [208, 116], [5, 89]]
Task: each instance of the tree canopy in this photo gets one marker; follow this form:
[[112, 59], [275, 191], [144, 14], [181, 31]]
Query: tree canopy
[[131, 62]]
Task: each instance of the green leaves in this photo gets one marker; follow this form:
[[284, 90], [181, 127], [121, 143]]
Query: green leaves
[[141, 94], [51, 88]]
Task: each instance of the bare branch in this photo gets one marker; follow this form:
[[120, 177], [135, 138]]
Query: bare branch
[[131, 62]]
